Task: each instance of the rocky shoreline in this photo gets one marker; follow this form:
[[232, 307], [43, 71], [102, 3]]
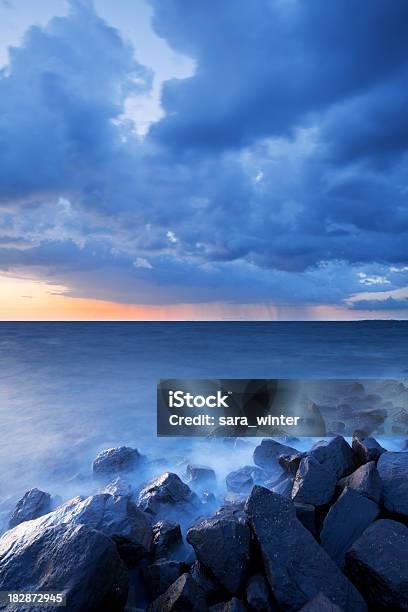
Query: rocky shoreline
[[322, 530]]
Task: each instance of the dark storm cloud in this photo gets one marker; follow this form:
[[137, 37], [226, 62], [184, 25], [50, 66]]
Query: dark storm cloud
[[385, 304]]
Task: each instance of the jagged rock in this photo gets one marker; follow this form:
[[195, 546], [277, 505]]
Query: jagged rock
[[118, 487], [306, 514], [221, 543], [335, 455], [320, 603], [377, 563], [257, 594], [393, 470], [234, 605], [243, 479], [159, 576], [76, 559], [284, 487], [33, 504], [366, 449], [209, 585], [167, 496], [365, 481], [290, 463], [116, 517], [296, 567], [345, 522], [183, 594], [313, 484], [200, 474], [114, 461], [267, 454], [166, 538]]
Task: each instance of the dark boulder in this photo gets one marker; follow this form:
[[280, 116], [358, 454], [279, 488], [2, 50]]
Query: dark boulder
[[234, 605], [283, 486], [208, 584], [167, 496], [33, 504], [345, 522], [377, 563], [161, 574], [166, 539], [258, 595], [222, 544], [182, 595], [365, 481], [267, 454], [306, 514], [335, 455], [290, 463], [75, 559], [296, 566], [393, 470], [200, 475], [320, 603], [366, 449], [114, 461], [313, 484], [243, 479]]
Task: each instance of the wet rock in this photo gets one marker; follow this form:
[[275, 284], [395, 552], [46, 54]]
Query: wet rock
[[365, 481], [33, 504], [159, 576], [313, 484], [167, 496], [221, 543], [335, 455], [393, 470], [234, 605], [320, 603], [166, 538], [306, 514], [200, 475], [114, 461], [208, 584], [284, 486], [183, 594], [267, 453], [257, 594], [243, 479], [118, 487], [366, 449], [377, 564], [296, 567], [75, 559], [345, 522], [290, 463]]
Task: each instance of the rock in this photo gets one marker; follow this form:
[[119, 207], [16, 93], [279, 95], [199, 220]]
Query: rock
[[159, 576], [377, 564], [267, 454], [167, 496], [313, 484], [118, 487], [335, 455], [306, 514], [290, 463], [183, 594], [234, 605], [167, 538], [365, 481], [257, 594], [75, 559], [296, 567], [200, 475], [366, 449], [114, 461], [221, 544], [116, 517], [393, 470], [284, 487], [243, 479], [208, 584], [320, 603], [33, 504], [345, 522]]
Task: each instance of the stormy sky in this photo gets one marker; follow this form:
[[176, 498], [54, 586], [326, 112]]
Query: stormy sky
[[245, 154]]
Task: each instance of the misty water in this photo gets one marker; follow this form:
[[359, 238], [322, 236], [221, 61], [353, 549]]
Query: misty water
[[69, 390]]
